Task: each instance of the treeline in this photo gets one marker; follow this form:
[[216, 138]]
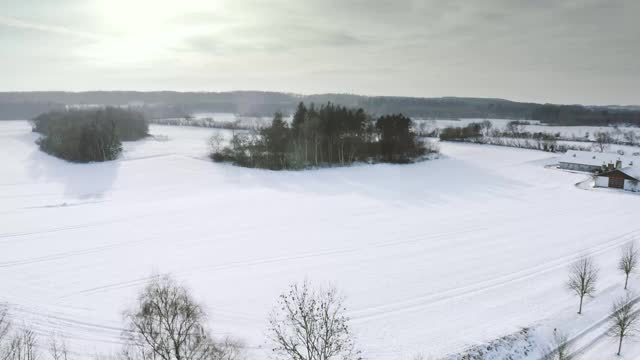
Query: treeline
[[167, 104], [326, 135], [581, 115], [88, 135], [513, 136], [238, 124]]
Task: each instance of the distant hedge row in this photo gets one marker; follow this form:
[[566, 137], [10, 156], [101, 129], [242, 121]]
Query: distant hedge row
[[89, 135]]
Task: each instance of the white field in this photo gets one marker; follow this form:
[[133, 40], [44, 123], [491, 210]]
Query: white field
[[432, 257]]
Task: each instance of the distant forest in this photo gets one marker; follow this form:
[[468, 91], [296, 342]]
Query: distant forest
[[166, 104]]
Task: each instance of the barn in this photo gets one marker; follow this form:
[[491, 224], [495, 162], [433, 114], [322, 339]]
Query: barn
[[593, 162], [622, 178]]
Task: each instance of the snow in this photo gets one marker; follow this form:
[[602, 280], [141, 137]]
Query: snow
[[633, 171], [433, 257]]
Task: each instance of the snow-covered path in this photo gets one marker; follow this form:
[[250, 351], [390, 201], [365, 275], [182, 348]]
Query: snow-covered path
[[432, 257]]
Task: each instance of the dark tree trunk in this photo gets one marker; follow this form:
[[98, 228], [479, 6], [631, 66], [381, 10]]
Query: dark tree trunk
[[626, 280], [580, 309], [620, 346]]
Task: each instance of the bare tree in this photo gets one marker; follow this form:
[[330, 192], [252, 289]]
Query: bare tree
[[230, 349], [624, 320], [168, 324], [215, 142], [310, 324], [630, 137], [602, 140], [628, 262], [23, 346], [515, 127], [486, 126], [560, 348], [582, 279], [58, 348], [5, 328], [5, 323]]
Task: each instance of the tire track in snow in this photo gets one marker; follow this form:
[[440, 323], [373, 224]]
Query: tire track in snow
[[45, 323], [420, 302], [375, 312], [64, 255], [10, 236], [265, 261], [361, 315], [58, 229]]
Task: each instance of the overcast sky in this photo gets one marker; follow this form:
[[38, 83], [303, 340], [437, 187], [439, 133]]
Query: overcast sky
[[563, 51]]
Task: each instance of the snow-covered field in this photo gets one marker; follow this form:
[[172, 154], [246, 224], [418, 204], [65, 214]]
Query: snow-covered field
[[433, 257]]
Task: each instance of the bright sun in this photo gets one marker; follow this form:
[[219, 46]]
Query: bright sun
[[141, 31]]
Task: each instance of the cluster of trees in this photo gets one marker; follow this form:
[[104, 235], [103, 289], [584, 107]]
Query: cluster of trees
[[167, 323], [625, 317], [326, 135], [88, 135]]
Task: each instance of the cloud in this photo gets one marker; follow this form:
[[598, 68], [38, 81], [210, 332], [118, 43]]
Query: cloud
[[270, 39], [52, 29], [543, 50]]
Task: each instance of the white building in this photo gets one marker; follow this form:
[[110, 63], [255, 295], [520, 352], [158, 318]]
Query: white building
[[595, 162]]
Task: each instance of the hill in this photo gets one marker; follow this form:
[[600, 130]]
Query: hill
[[163, 104]]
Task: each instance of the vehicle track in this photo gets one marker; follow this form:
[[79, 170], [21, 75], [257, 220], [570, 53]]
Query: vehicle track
[[361, 315], [272, 260], [421, 302]]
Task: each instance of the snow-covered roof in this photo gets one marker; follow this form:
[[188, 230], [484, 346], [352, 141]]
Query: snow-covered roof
[[633, 171], [597, 159]]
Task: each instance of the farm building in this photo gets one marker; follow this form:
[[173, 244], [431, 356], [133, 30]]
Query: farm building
[[621, 178], [594, 162]]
